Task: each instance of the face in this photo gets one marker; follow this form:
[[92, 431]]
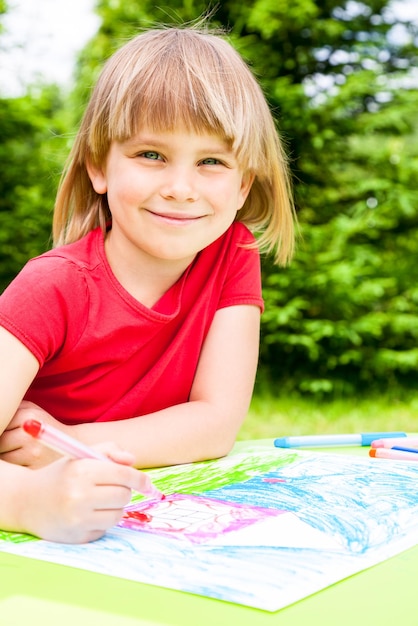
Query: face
[[171, 194]]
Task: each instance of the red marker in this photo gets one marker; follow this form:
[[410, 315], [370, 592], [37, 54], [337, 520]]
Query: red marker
[[61, 442]]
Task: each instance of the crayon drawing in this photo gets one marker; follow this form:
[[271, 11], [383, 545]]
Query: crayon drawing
[[263, 527], [194, 518]]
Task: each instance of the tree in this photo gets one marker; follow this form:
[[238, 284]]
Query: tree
[[344, 315], [31, 158]]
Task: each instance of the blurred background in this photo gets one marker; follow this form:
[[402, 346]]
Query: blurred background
[[341, 323]]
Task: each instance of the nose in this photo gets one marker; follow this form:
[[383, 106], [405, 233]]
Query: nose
[[179, 185]]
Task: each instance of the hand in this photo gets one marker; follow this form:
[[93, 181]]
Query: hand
[[76, 501], [18, 447]]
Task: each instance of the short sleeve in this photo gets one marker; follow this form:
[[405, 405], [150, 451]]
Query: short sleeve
[[243, 281], [44, 306]]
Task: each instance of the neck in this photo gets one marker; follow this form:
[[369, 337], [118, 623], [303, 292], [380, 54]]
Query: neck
[[143, 277]]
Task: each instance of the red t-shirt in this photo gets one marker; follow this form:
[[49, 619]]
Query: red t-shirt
[[103, 355]]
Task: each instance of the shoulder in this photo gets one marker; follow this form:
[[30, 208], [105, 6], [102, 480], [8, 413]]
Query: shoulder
[[242, 233], [236, 249], [56, 277], [82, 253], [64, 265], [237, 242], [238, 235], [230, 252], [47, 303]]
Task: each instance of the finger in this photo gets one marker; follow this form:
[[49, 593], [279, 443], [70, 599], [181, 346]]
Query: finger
[[116, 454], [106, 485], [115, 474], [11, 427], [144, 485], [101, 521], [134, 479], [122, 456], [9, 442], [13, 457]]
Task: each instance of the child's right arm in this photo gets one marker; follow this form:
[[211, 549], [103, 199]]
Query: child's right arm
[[70, 501]]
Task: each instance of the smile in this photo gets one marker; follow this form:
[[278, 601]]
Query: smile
[[176, 218]]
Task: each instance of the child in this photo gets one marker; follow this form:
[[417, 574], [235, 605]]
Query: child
[[141, 327]]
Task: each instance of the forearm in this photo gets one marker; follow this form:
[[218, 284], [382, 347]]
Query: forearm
[[205, 427], [193, 431]]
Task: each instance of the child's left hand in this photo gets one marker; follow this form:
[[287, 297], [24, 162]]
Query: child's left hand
[[18, 447]]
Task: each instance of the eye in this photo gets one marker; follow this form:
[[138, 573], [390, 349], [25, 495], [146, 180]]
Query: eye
[[150, 154], [211, 161]]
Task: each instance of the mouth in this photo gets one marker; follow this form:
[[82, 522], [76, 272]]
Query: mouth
[[175, 218]]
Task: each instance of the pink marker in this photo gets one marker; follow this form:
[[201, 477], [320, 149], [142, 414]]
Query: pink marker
[[411, 442], [395, 455], [61, 442]]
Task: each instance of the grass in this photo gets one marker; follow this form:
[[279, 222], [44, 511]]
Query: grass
[[275, 416]]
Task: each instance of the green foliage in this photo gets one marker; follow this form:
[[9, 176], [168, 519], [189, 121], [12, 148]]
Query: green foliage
[[30, 163], [343, 317]]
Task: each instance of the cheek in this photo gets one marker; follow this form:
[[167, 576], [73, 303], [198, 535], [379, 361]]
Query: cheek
[[123, 192], [227, 195]]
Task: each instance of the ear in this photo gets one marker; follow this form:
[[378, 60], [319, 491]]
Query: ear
[[246, 184], [97, 177]]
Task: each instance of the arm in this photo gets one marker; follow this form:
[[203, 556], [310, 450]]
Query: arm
[[207, 425], [69, 500], [18, 368], [203, 428]]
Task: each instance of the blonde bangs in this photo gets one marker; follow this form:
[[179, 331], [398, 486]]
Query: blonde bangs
[[164, 79]]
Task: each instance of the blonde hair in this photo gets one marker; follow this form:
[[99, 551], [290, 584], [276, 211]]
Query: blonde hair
[[163, 78]]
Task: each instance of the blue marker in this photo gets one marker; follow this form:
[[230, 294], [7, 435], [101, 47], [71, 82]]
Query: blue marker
[[322, 441], [415, 450]]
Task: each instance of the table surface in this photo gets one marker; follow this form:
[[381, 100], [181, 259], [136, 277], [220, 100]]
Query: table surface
[[44, 593]]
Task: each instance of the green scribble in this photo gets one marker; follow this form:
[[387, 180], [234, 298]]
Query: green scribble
[[237, 467], [16, 537]]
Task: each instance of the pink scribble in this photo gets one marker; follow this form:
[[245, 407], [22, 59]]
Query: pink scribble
[[195, 518]]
